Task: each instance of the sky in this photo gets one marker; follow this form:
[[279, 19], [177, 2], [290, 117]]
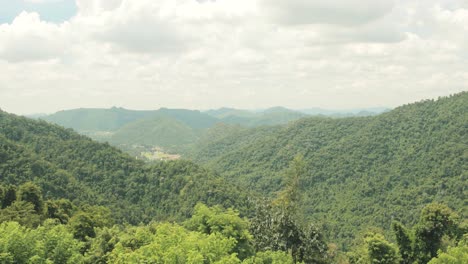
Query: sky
[[201, 54]]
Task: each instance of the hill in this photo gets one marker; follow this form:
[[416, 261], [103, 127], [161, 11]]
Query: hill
[[95, 119], [157, 131], [136, 131], [345, 112], [267, 117], [171, 130], [68, 165], [360, 171]]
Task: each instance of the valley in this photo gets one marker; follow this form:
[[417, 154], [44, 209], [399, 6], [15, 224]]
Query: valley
[[353, 174]]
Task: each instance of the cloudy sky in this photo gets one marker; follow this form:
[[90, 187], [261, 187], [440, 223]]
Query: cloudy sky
[[145, 54]]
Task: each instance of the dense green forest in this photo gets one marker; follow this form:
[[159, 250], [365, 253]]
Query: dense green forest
[[381, 189], [361, 171], [67, 165]]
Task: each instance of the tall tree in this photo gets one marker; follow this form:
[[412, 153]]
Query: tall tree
[[279, 226], [9, 197], [436, 221], [31, 193]]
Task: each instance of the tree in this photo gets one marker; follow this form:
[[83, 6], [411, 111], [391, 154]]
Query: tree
[[81, 225], [9, 197], [210, 220], [405, 243], [290, 197], [454, 255], [380, 251], [21, 212], [29, 192], [278, 226], [61, 209], [436, 221]]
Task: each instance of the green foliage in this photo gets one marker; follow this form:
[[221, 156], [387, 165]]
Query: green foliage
[[380, 251], [31, 193], [82, 226], [438, 226], [360, 172], [21, 212], [454, 255], [278, 226], [84, 223], [290, 198], [168, 243], [69, 166], [436, 221], [60, 209], [372, 247], [405, 242], [270, 257], [9, 196], [225, 222], [103, 244], [50, 243]]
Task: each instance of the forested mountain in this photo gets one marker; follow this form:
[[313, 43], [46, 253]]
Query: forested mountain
[[64, 197], [67, 165], [90, 119], [164, 128], [114, 118], [249, 118], [156, 131], [171, 130], [267, 117], [361, 171], [346, 112]]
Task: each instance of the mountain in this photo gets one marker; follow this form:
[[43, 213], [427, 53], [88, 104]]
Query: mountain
[[68, 165], [360, 171], [192, 118], [172, 130], [96, 119], [345, 112], [157, 131], [135, 131], [225, 112], [267, 117]]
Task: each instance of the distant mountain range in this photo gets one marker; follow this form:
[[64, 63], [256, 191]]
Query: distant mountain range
[[174, 129]]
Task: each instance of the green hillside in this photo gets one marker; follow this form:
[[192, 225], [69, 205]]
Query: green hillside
[[226, 111], [89, 119], [67, 165], [361, 171], [157, 131], [170, 129], [352, 179], [267, 117]]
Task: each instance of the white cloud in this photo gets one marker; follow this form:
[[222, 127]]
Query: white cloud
[[243, 53], [28, 38], [344, 13]]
